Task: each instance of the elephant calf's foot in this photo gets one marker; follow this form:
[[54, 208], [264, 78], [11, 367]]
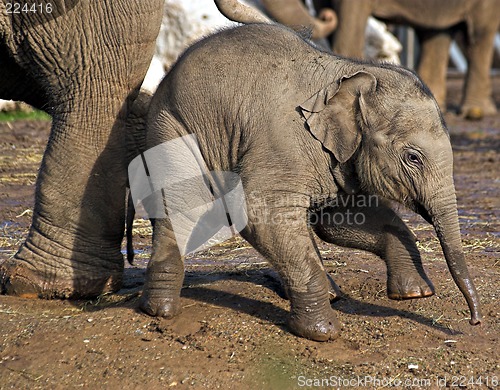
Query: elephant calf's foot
[[160, 306], [312, 317], [409, 287], [322, 326]]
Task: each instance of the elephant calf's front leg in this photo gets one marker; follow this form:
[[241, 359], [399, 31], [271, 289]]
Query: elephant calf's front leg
[[376, 228]]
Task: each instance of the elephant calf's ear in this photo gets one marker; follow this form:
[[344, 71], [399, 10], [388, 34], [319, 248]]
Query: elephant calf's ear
[[331, 113]]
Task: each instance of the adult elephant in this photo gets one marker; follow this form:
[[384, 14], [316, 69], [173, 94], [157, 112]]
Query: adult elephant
[[82, 62], [434, 21]]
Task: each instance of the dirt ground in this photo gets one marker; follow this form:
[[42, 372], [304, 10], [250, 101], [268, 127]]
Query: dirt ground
[[232, 332]]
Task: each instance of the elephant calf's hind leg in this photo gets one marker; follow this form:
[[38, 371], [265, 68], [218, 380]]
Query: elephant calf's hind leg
[[165, 274]]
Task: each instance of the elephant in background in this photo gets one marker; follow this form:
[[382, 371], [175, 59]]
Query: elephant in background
[[83, 63], [185, 22], [302, 128], [434, 22]]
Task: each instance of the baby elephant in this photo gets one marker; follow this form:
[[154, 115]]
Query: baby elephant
[[303, 130]]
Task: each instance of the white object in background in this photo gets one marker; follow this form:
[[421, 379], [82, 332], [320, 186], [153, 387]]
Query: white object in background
[[153, 77], [380, 44], [7, 105], [496, 43], [11, 105], [185, 22], [457, 57]]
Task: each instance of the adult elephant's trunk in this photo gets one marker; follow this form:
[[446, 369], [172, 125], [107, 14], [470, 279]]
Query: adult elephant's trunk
[[292, 13], [444, 216], [239, 12]]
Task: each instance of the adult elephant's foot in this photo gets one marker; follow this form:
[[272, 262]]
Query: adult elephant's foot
[[158, 305], [314, 320], [20, 279], [37, 271], [476, 111], [408, 286]]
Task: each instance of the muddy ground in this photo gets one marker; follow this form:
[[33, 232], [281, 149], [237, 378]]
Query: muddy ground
[[232, 332]]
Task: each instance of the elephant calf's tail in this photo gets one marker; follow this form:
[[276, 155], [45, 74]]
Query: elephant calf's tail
[[130, 221], [241, 13]]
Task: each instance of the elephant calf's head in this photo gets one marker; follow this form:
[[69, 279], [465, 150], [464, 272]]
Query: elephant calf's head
[[385, 124]]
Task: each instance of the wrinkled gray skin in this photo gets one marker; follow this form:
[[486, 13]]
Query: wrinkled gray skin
[[83, 63], [434, 21], [302, 127]]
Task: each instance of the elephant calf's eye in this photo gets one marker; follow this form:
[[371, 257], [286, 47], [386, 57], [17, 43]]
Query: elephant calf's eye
[[413, 158]]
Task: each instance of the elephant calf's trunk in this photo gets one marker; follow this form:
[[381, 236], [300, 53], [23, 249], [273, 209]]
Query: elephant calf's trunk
[[448, 232], [460, 274]]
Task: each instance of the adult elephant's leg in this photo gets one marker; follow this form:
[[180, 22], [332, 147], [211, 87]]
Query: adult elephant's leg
[[283, 238], [477, 95], [73, 247], [349, 37], [433, 62], [368, 223]]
